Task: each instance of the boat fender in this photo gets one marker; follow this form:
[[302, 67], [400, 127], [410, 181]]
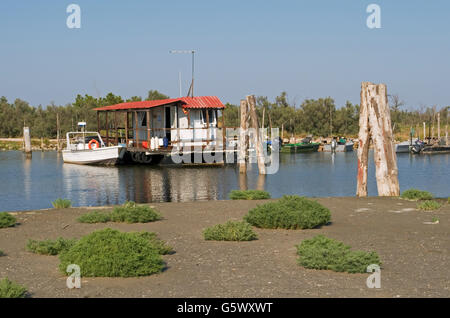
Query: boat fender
[[93, 141]]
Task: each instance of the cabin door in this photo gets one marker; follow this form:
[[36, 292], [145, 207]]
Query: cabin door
[[168, 123]]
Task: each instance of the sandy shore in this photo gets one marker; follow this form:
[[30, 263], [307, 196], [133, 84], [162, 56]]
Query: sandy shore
[[415, 255]]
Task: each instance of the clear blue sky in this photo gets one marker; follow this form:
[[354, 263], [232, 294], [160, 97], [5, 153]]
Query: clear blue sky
[[310, 49]]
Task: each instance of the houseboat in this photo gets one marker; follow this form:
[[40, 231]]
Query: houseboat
[[150, 130]]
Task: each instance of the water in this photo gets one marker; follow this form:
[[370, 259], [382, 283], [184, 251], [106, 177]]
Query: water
[[32, 184]]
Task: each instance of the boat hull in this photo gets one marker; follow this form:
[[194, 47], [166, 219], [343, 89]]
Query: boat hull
[[295, 148], [402, 148], [339, 148], [100, 156]]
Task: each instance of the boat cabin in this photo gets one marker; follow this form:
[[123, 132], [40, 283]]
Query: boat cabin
[[160, 125]]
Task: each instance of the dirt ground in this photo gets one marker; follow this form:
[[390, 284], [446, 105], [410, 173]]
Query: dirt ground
[[415, 255]]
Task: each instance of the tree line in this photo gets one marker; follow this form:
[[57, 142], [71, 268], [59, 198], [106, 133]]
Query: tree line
[[318, 117]]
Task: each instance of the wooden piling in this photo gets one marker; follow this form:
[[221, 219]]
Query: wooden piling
[[424, 131], [363, 144], [446, 135], [243, 140], [126, 128], [27, 141], [251, 101], [58, 145], [149, 139], [107, 129], [375, 112], [439, 125], [116, 131]]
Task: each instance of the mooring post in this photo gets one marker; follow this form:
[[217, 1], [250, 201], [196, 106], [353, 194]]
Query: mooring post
[[424, 131], [363, 143], [446, 135], [251, 101], [58, 146], [243, 140], [375, 110], [439, 126], [27, 141]]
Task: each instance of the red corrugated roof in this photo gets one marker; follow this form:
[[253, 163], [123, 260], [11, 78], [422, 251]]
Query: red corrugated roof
[[187, 102]]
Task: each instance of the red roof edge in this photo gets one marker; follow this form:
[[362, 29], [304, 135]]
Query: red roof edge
[[188, 102]]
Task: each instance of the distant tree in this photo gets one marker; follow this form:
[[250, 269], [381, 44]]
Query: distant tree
[[155, 95], [134, 99], [395, 104], [232, 114], [317, 115]]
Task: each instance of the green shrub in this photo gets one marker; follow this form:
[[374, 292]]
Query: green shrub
[[9, 289], [160, 246], [448, 200], [290, 212], [416, 195], [50, 247], [7, 220], [130, 212], [2, 253], [428, 205], [249, 195], [230, 231], [62, 204], [321, 252], [95, 217], [110, 253]]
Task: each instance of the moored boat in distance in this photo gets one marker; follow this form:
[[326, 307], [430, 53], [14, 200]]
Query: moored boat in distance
[[304, 146], [89, 148], [339, 146]]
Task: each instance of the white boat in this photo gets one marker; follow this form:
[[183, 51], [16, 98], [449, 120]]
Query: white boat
[[405, 146], [348, 146], [89, 148]]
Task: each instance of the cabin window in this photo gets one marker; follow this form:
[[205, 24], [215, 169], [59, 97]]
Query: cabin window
[[211, 116], [204, 116], [144, 120]]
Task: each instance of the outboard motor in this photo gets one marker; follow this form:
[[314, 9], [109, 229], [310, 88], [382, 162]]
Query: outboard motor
[[417, 147]]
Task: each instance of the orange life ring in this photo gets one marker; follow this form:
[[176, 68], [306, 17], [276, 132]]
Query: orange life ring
[[93, 141]]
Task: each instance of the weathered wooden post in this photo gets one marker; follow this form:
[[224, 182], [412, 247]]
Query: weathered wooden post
[[446, 135], [363, 144], [439, 126], [424, 131], [58, 145], [375, 121], [243, 182], [27, 141], [251, 101], [243, 140]]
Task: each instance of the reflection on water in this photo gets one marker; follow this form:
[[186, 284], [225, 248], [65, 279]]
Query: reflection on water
[[33, 183]]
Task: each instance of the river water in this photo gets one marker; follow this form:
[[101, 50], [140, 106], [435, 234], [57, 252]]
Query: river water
[[27, 184]]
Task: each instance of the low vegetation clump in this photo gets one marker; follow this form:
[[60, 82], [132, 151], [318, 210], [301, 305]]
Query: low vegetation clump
[[290, 212], [9, 289], [230, 231], [416, 195], [6, 220], [110, 253], [428, 205], [62, 203], [130, 212], [321, 252], [249, 195], [50, 247], [95, 217], [2, 253]]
